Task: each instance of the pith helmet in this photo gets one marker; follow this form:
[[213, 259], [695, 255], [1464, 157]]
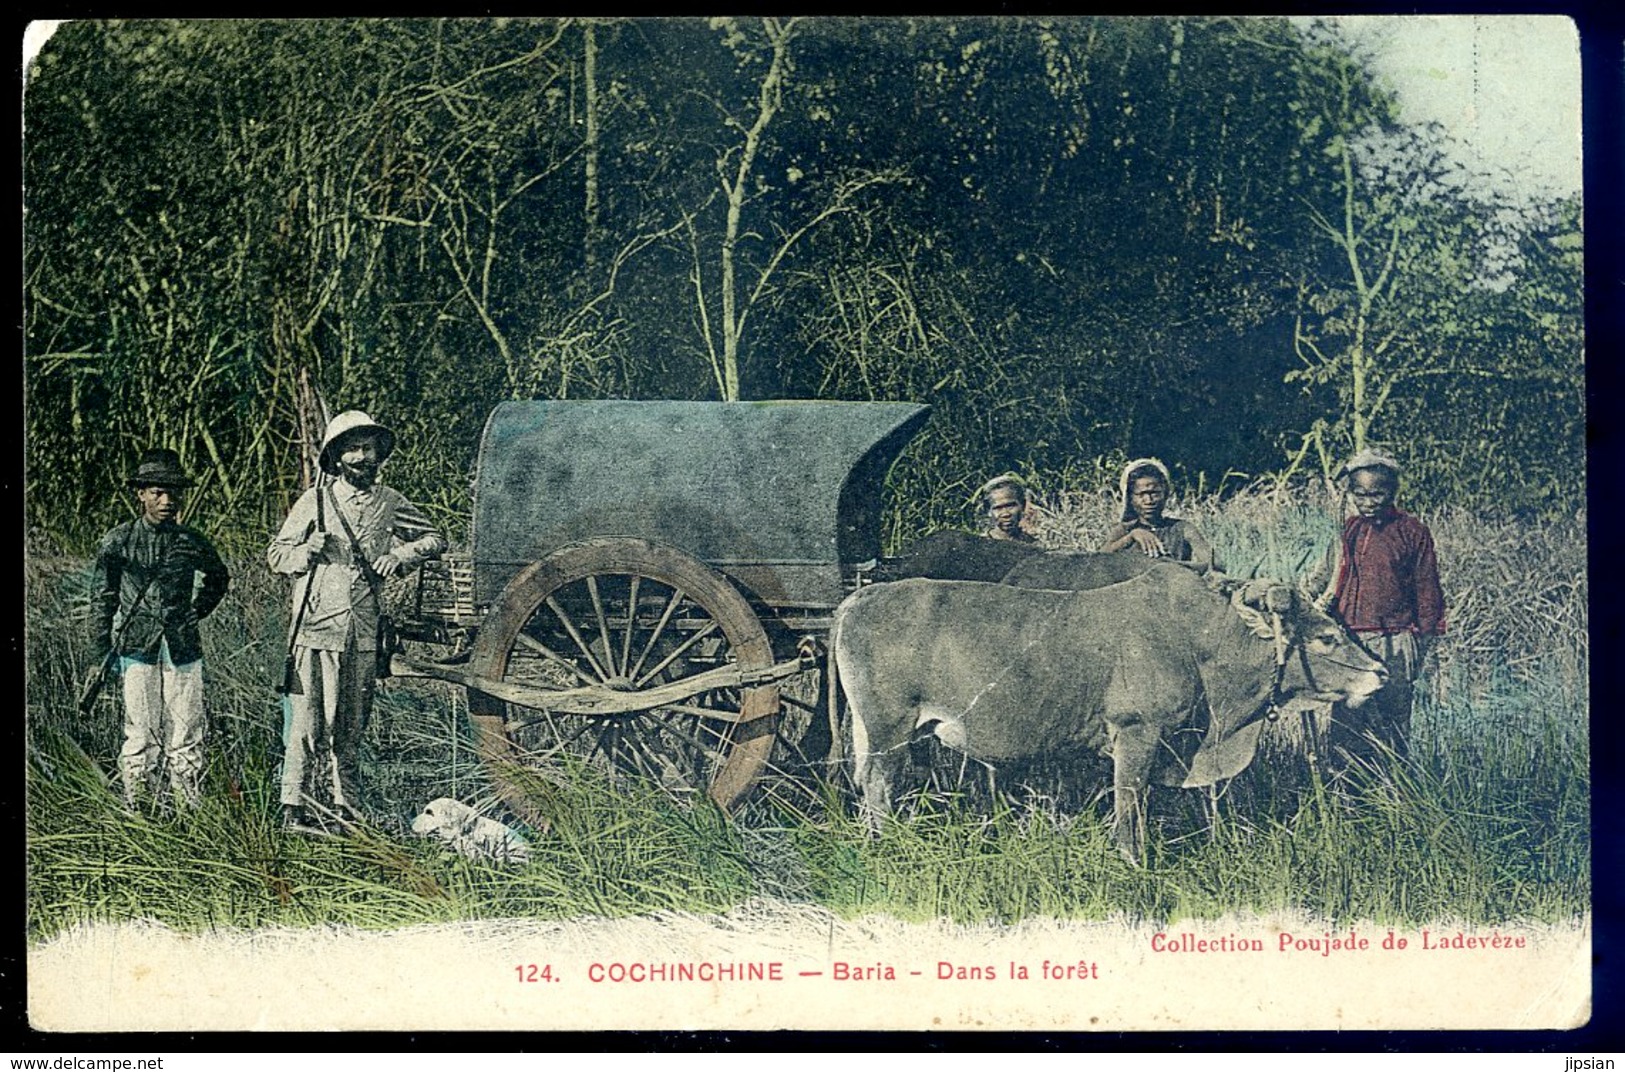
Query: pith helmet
[[159, 467], [346, 425]]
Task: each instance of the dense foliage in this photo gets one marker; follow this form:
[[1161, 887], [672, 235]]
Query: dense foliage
[[1081, 239]]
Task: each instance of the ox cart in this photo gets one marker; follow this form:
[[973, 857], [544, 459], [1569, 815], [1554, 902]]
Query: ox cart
[[645, 577]]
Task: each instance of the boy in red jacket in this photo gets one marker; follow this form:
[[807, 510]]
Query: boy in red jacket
[[1386, 590]]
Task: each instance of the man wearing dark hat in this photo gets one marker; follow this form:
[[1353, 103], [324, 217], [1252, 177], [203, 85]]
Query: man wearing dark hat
[[148, 602], [341, 540]]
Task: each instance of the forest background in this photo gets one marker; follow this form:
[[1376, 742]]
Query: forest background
[[1214, 240], [1220, 241]]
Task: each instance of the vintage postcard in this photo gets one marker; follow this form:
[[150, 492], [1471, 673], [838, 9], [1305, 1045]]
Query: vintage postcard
[[1053, 524]]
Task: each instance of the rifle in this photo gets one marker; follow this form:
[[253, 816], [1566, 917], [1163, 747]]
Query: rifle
[[97, 681], [290, 672], [92, 689], [387, 641]]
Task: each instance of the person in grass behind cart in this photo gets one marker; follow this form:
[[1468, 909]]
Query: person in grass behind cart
[[155, 579], [1005, 503], [342, 539], [1143, 491]]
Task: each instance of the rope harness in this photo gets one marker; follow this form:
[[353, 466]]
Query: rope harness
[[1272, 629], [1283, 648]]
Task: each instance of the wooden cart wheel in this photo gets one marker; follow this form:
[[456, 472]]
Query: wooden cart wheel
[[627, 614]]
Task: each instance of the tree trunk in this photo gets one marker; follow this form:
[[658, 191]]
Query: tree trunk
[[767, 107], [590, 208]]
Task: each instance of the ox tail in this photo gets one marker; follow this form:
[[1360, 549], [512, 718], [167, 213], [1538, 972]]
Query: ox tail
[[872, 774], [845, 667]]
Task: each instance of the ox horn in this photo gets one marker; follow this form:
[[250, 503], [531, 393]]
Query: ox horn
[[1251, 616]]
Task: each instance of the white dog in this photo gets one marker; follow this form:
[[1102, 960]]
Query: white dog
[[470, 833]]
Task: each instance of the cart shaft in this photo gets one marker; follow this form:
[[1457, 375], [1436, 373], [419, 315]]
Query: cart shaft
[[601, 701]]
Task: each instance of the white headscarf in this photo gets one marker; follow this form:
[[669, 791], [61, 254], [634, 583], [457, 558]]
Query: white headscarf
[[1122, 482]]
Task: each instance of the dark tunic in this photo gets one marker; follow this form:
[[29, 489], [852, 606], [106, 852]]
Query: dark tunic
[[170, 557], [1389, 580], [1179, 538]]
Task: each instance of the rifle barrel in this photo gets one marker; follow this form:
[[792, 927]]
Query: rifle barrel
[[97, 681]]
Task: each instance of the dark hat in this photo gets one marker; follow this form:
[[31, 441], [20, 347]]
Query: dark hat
[[348, 425], [1003, 480], [1369, 459], [159, 467]]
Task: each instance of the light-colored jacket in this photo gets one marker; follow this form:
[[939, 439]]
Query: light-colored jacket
[[342, 612]]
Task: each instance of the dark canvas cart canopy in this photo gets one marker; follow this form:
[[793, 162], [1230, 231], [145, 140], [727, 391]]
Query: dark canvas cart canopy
[[782, 497]]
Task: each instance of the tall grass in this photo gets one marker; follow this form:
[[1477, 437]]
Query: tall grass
[[229, 863], [1486, 821], [1477, 824]]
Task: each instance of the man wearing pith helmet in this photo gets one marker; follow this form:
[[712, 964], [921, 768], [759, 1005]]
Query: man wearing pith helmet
[[342, 540], [155, 579]]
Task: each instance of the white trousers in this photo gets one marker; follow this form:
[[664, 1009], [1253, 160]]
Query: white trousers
[[164, 725], [328, 715]]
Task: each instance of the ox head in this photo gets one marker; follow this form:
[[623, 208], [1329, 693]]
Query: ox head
[[1315, 657]]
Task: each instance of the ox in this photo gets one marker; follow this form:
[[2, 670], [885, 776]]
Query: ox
[[960, 556], [1167, 677], [1302, 730], [950, 555], [1077, 571]]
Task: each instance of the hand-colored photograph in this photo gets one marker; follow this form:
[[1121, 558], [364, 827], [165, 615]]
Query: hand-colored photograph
[[1022, 524]]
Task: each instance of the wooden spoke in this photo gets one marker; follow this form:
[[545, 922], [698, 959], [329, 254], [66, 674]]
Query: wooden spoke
[[603, 626], [660, 627], [554, 657], [631, 622], [565, 741], [699, 635], [718, 737], [696, 711], [575, 635], [660, 766]]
